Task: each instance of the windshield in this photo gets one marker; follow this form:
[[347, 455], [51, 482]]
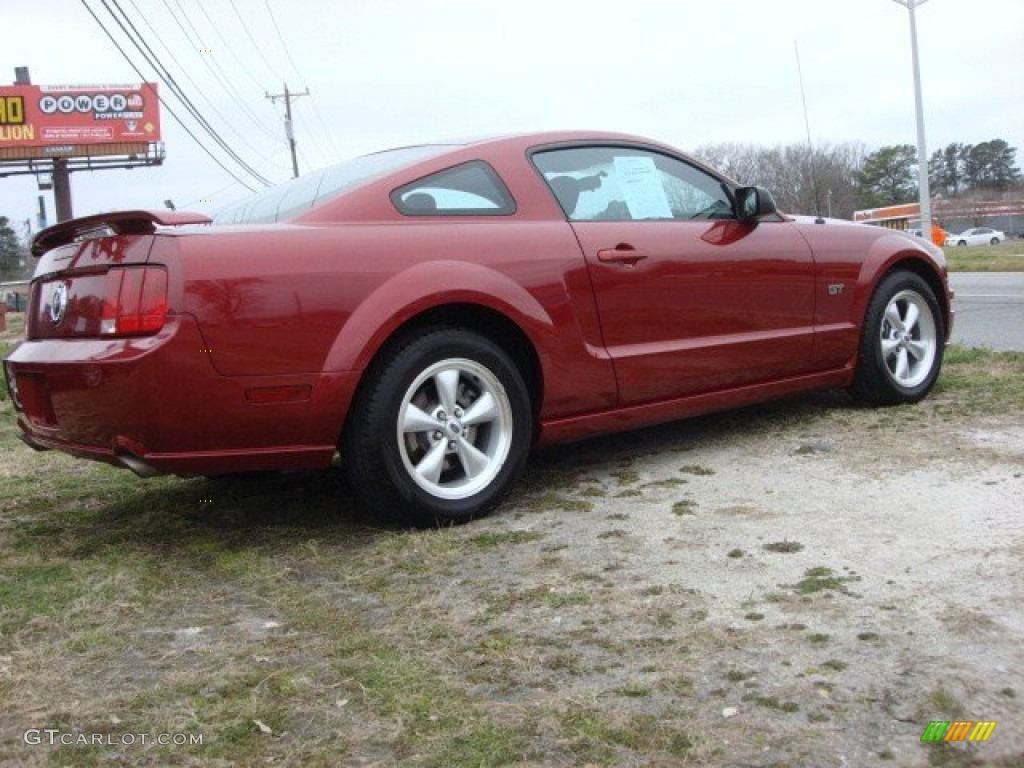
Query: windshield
[[300, 195]]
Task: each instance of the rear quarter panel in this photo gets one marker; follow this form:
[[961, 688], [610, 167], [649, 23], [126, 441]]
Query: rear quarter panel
[[325, 297]]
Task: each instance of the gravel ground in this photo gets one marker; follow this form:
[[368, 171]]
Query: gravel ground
[[838, 584]]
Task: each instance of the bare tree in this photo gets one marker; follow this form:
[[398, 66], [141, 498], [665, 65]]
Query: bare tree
[[803, 179]]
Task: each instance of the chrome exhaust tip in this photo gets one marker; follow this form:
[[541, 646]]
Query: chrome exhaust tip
[[137, 465]]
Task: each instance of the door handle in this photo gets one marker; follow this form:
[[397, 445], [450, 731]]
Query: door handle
[[623, 253]]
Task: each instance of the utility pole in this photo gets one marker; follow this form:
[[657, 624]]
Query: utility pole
[[924, 191], [289, 131]]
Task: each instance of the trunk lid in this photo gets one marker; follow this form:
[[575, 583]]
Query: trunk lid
[[92, 279]]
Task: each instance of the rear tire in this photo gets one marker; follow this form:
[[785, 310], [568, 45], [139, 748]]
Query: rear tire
[[901, 342], [994, 241], [441, 429]]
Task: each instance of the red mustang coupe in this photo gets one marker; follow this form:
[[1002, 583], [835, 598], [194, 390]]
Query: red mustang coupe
[[432, 312]]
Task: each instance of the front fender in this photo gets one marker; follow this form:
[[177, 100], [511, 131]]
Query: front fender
[[888, 251]]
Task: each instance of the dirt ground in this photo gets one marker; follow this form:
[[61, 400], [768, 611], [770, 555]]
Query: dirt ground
[[901, 603]]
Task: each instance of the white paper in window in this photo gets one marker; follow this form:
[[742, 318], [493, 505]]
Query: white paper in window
[[642, 187]]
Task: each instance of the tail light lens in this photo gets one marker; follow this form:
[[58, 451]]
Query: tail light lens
[[135, 301]]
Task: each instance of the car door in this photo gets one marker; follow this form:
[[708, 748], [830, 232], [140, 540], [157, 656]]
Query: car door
[[690, 299]]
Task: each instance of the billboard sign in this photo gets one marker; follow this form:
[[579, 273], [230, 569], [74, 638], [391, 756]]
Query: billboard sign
[[73, 120]]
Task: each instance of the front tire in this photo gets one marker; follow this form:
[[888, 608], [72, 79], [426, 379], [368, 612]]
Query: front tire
[[441, 429], [902, 342]]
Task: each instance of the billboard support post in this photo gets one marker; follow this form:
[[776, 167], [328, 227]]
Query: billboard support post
[[62, 190]]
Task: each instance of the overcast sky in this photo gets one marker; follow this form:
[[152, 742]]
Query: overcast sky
[[385, 73]]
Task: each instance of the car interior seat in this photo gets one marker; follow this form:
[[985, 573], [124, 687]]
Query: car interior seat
[[567, 192]]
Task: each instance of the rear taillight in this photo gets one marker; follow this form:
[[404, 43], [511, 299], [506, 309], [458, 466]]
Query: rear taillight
[[135, 301]]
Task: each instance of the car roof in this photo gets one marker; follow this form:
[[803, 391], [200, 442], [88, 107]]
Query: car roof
[[499, 150]]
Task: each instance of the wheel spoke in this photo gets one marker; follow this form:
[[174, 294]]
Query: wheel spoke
[[888, 347], [416, 420], [483, 410], [902, 365], [892, 314], [918, 349], [473, 460], [447, 383], [430, 466], [910, 321]]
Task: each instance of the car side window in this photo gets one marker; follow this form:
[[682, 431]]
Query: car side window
[[470, 189], [629, 184]]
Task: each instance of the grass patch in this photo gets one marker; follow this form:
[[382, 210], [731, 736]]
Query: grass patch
[[977, 380], [561, 600], [1007, 256], [772, 702], [943, 703], [596, 737], [634, 691], [626, 476], [821, 579], [735, 554], [696, 469], [785, 546], [502, 538], [35, 591], [685, 507]]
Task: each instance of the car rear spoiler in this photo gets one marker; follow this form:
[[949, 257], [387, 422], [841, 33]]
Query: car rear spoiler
[[121, 222]]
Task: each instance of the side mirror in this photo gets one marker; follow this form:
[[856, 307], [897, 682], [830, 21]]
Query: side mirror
[[752, 203]]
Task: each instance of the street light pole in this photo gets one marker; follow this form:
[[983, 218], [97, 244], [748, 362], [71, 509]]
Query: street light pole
[[924, 191]]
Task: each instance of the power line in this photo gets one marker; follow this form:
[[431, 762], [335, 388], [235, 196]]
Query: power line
[[215, 69], [198, 89], [153, 60], [229, 47], [324, 158], [280, 37], [252, 40], [209, 198], [163, 102], [312, 99]]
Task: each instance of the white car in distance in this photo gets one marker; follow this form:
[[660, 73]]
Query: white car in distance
[[977, 236]]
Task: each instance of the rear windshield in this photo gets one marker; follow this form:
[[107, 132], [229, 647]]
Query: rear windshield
[[300, 195]]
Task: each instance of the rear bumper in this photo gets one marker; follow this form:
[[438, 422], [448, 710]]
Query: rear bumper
[[150, 464], [157, 405]]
